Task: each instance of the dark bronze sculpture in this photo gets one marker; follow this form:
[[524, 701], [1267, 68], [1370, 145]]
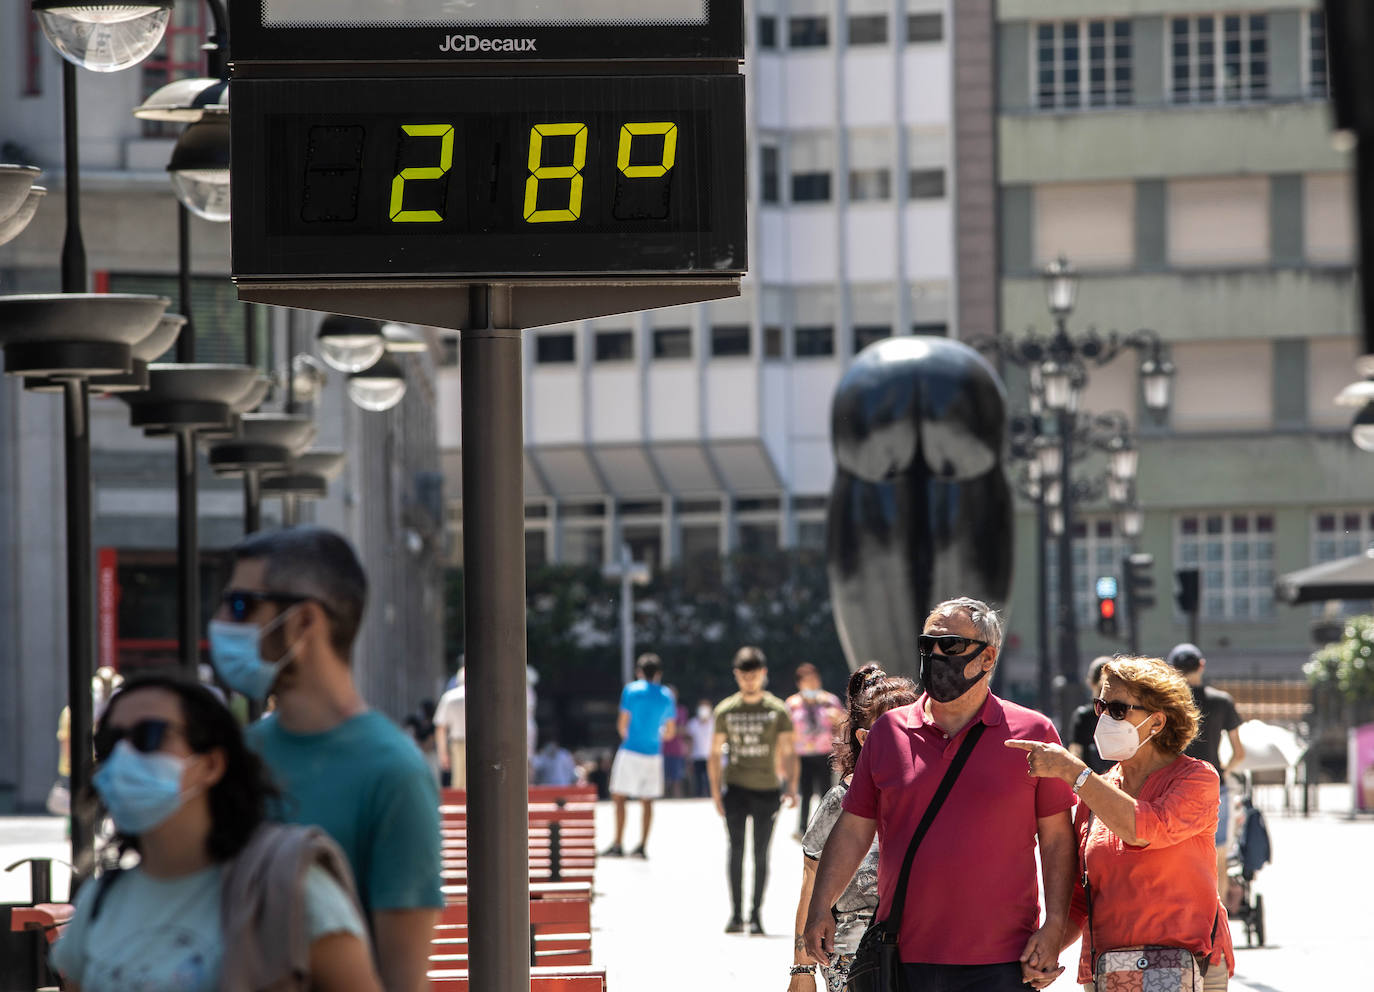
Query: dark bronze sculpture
[[920, 510]]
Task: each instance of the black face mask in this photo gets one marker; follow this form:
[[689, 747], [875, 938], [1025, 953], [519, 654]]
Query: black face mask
[[942, 676]]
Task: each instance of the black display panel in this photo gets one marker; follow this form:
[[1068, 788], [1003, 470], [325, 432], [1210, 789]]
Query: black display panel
[[485, 30], [483, 176]]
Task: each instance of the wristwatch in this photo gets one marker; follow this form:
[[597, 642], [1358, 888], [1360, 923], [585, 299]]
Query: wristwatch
[[1082, 777]]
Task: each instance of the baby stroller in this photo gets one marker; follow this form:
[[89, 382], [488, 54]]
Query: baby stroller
[[1251, 853]]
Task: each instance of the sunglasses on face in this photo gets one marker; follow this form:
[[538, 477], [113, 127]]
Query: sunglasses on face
[[951, 645], [146, 736], [240, 602], [1116, 708]]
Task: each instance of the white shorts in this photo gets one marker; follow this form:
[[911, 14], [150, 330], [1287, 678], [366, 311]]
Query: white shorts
[[638, 776]]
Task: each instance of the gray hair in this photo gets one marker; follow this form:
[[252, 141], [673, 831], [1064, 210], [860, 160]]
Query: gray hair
[[983, 617], [319, 565]]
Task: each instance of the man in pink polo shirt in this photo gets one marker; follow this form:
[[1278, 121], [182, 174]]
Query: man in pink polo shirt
[[972, 917]]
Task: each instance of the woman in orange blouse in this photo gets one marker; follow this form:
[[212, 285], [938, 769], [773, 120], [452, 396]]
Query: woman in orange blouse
[[1145, 827]]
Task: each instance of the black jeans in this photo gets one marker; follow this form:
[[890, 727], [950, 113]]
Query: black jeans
[[815, 780], [701, 779], [741, 805], [965, 977]]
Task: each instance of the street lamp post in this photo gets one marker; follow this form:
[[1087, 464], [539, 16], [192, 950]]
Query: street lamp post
[[630, 573], [1058, 366]]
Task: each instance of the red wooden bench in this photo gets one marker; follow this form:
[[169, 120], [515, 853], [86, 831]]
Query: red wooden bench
[[538, 794], [559, 979]]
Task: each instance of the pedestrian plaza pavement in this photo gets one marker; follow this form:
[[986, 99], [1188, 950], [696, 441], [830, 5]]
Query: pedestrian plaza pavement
[[658, 923]]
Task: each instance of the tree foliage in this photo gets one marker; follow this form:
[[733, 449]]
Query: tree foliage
[[1348, 664]]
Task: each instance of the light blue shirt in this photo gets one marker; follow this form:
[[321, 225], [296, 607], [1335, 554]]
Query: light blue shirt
[[650, 706], [365, 784], [164, 935]]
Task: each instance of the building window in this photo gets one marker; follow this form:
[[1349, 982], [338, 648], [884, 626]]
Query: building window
[[32, 83], [1083, 64], [768, 173], [868, 29], [866, 334], [924, 28], [1235, 555], [673, 342], [553, 348], [768, 31], [1098, 547], [808, 32], [811, 534], [934, 329], [177, 56], [814, 342], [758, 538], [1221, 58], [773, 342], [615, 346], [810, 187], [870, 184], [1318, 76], [1342, 534], [926, 184], [730, 341]]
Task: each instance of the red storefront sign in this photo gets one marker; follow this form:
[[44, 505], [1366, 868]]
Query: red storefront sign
[[107, 607]]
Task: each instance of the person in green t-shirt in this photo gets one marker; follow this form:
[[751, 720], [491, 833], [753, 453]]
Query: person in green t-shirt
[[758, 729]]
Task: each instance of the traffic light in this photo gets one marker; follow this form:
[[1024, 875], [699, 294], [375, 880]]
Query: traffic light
[[1106, 606], [1140, 584], [1187, 587]]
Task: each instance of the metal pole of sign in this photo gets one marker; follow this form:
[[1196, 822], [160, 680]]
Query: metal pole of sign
[[494, 609], [1070, 691], [627, 618], [1044, 693]]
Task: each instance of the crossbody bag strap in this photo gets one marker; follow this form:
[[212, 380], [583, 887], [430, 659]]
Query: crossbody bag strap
[[893, 923]]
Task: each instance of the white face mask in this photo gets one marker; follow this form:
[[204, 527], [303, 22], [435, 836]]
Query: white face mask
[[703, 712], [1117, 740]]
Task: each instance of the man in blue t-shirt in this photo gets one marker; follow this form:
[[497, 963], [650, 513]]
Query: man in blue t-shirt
[[647, 717], [286, 627]]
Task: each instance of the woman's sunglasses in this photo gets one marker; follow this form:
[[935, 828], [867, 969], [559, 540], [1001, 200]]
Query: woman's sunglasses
[[145, 736], [1116, 708], [240, 602], [951, 645]]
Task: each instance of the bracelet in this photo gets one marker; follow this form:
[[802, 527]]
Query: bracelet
[[802, 969], [1082, 779]]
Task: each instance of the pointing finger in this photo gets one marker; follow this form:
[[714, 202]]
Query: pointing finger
[[1024, 745]]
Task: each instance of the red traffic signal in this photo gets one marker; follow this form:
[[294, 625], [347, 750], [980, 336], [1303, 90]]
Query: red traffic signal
[[1106, 609]]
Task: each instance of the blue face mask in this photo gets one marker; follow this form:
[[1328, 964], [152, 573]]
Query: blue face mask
[[140, 790], [235, 655]]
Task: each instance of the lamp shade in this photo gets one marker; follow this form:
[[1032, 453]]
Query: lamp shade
[[403, 339], [380, 387], [185, 101], [1362, 430], [103, 37], [1056, 522], [350, 344], [200, 167], [1125, 463], [13, 225], [1157, 377], [1058, 382], [1132, 522], [1050, 456], [1061, 287]]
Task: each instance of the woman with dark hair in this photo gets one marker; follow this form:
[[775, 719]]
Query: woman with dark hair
[[872, 692], [219, 899]]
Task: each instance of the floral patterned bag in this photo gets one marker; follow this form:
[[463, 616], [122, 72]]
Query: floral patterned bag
[[1150, 968]]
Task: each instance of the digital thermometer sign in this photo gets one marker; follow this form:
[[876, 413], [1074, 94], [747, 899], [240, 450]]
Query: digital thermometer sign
[[489, 175]]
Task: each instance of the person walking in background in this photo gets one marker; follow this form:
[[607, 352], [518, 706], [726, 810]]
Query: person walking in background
[[286, 626], [1081, 743], [450, 732], [872, 692], [420, 725], [219, 899], [647, 712], [553, 765], [1144, 828], [700, 729], [675, 751], [971, 919], [1218, 717], [758, 729], [814, 713]]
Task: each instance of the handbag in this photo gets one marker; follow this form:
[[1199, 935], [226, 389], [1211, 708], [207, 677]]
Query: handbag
[[877, 966], [1142, 967]]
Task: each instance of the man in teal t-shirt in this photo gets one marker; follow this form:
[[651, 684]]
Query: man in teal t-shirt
[[647, 716], [341, 766]]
